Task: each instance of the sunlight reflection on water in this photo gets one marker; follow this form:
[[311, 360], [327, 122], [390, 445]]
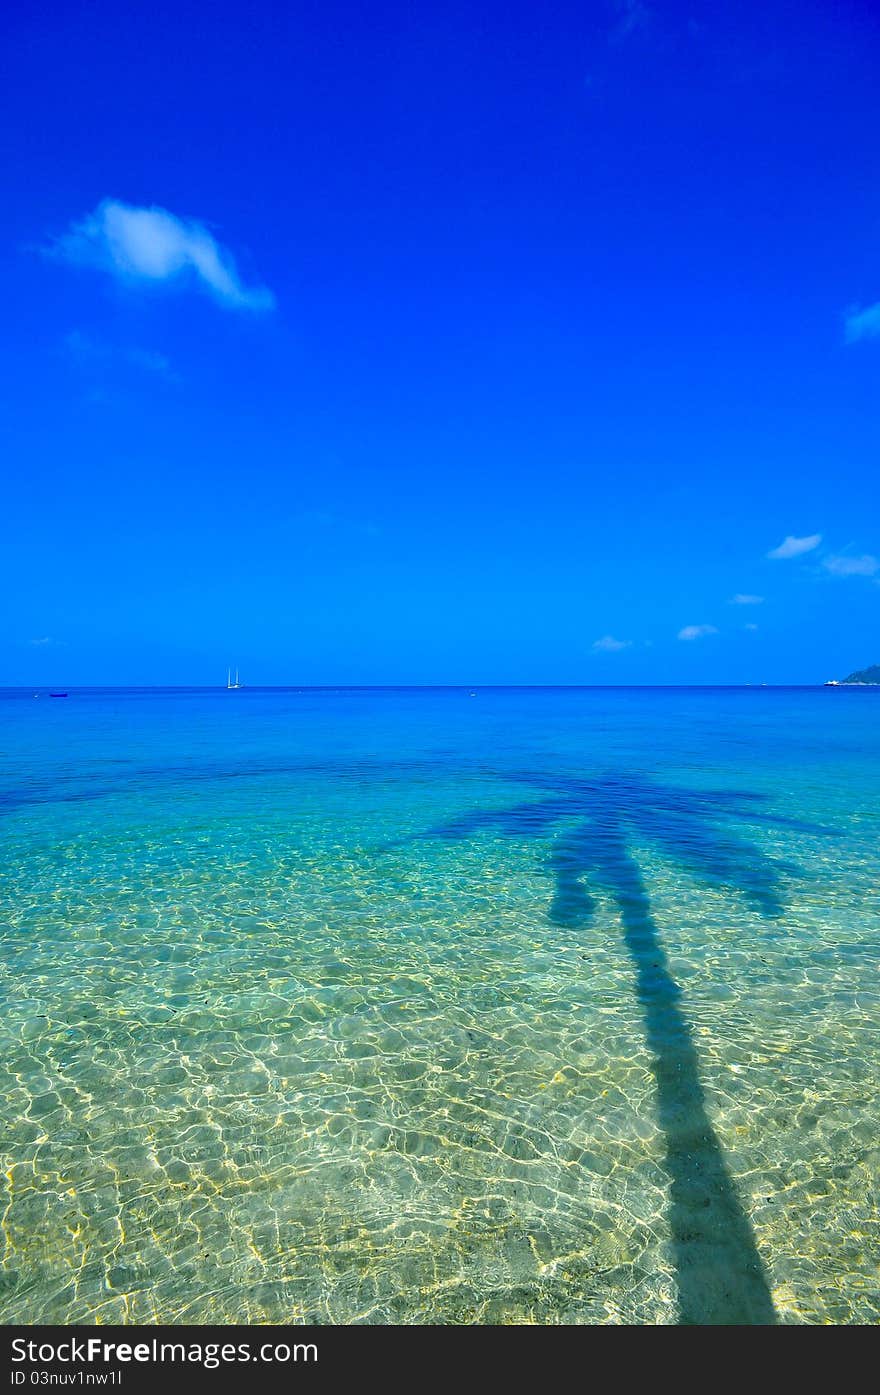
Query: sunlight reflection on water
[[398, 1007]]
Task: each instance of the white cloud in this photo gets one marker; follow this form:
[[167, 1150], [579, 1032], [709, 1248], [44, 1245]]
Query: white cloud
[[697, 631], [151, 244], [609, 645], [42, 641], [743, 598], [794, 547], [863, 324], [866, 565], [750, 627]]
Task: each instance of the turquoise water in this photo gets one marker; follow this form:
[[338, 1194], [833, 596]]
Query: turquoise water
[[494, 1006]]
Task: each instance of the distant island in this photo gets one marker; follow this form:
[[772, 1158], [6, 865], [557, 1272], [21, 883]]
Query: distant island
[[862, 675]]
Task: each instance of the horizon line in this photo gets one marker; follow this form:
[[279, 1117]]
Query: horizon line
[[38, 688]]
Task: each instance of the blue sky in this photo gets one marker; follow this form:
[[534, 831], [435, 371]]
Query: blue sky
[[440, 344]]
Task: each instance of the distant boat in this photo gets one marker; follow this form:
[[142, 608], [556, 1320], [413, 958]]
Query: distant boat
[[831, 683], [58, 695], [229, 682]]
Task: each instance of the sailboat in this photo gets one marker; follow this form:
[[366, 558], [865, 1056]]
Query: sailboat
[[229, 682]]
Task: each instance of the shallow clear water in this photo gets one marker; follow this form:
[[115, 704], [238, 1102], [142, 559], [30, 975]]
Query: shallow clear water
[[421, 1006]]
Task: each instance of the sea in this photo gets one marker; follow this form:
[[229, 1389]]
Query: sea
[[440, 1005]]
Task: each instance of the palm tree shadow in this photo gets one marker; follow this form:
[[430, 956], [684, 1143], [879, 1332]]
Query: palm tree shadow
[[719, 1272], [720, 1275]]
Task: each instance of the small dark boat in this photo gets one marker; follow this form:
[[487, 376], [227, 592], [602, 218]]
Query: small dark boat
[[58, 695]]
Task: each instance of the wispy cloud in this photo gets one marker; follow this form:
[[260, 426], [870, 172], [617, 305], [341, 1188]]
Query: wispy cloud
[[150, 361], [90, 353], [843, 565], [632, 15], [42, 641], [750, 627], [794, 547], [743, 598], [697, 631], [141, 245], [863, 324], [609, 645]]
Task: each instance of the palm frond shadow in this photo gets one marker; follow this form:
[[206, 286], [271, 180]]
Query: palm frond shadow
[[719, 1272]]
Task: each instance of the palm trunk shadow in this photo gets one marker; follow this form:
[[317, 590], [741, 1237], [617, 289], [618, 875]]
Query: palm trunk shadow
[[720, 1275]]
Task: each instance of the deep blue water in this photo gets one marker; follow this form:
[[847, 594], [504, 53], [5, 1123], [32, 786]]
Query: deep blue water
[[455, 1005]]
